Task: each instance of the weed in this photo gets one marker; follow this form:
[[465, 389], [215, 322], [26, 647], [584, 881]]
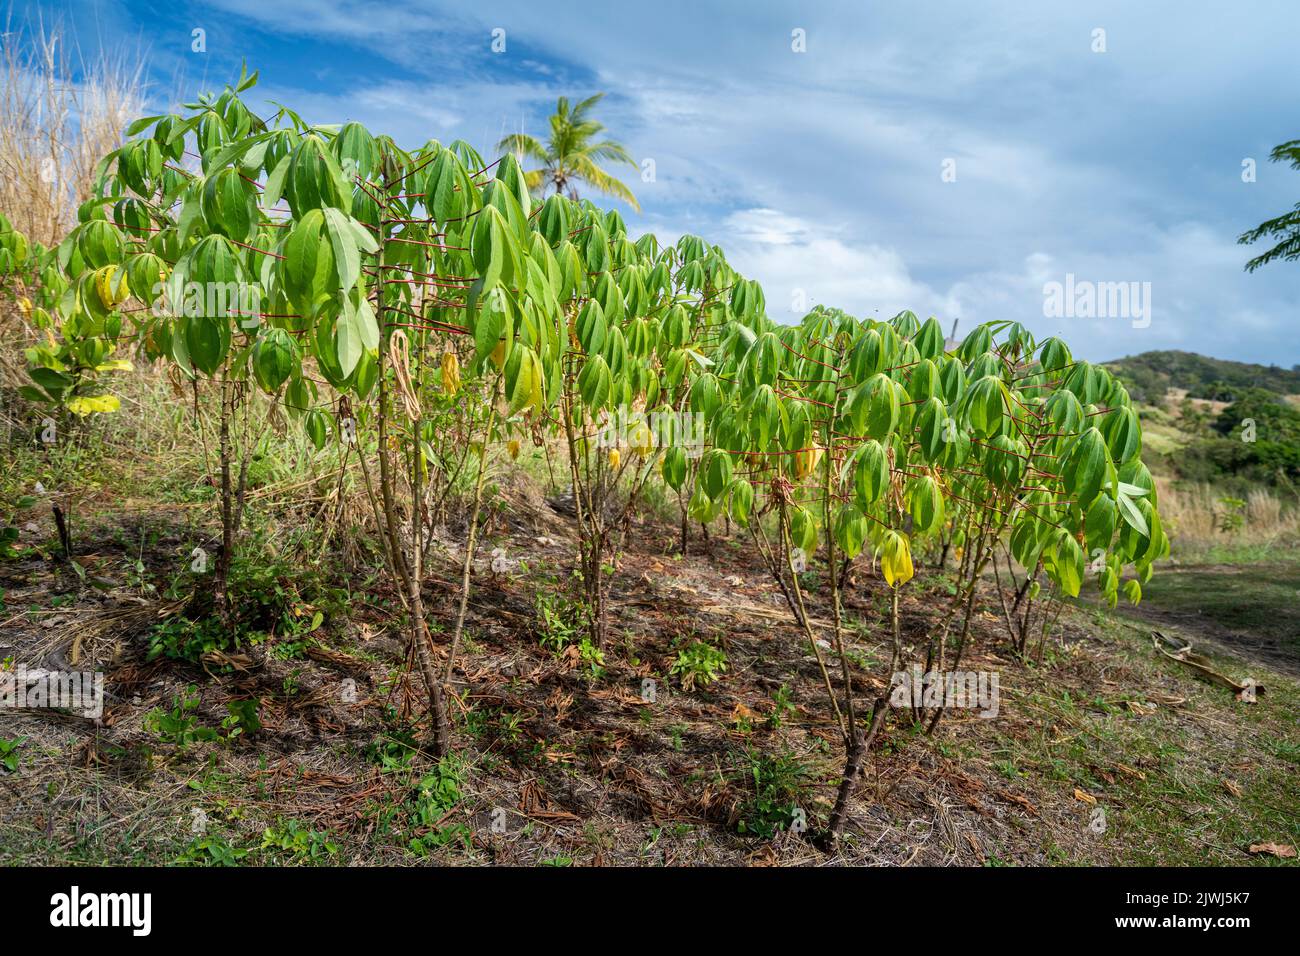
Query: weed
[[781, 705], [211, 851], [558, 621], [434, 797], [592, 658], [394, 750], [179, 726], [698, 665], [293, 841], [243, 718], [9, 753], [778, 784], [267, 595]]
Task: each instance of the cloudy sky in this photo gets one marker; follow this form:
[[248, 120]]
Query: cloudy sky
[[947, 157]]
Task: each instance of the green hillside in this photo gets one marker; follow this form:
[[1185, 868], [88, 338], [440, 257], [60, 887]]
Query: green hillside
[[1149, 375], [1234, 427]]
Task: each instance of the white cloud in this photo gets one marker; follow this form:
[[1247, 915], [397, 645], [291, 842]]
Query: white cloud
[[797, 261], [821, 171]]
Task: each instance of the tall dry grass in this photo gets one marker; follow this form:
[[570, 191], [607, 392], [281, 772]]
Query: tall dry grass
[[1204, 523], [60, 113]]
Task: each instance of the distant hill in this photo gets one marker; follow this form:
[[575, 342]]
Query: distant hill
[[1149, 375], [1202, 441]]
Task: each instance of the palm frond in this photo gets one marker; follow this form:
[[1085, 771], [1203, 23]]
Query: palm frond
[[580, 111], [608, 149], [523, 145], [569, 153], [1287, 153], [603, 182], [536, 180]]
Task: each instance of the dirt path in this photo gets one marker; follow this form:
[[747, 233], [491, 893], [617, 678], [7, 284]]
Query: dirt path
[[1251, 612]]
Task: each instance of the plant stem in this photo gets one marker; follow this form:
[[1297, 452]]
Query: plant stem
[[470, 541]]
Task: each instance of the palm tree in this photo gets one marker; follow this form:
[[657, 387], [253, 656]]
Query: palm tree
[[1285, 227], [570, 155]]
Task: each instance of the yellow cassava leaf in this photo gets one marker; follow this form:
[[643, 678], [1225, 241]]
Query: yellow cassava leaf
[[642, 439], [111, 294], [91, 404], [805, 461], [896, 560], [450, 373]]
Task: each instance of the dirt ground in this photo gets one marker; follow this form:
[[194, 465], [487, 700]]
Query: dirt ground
[[559, 765]]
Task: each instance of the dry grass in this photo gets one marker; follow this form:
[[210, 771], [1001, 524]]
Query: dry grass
[[1204, 523], [59, 114]]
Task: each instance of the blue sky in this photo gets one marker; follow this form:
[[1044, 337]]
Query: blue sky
[[821, 172]]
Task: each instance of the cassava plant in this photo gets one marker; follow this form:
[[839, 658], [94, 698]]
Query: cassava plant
[[871, 433], [624, 397]]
